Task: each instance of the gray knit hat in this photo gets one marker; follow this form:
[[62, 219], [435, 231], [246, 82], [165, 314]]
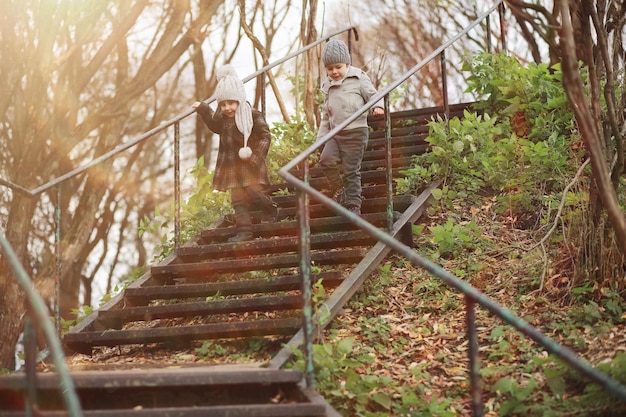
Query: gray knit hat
[[335, 52], [230, 87]]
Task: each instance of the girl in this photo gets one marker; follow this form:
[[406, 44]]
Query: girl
[[244, 142]]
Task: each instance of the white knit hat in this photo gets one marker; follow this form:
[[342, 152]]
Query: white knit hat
[[230, 87]]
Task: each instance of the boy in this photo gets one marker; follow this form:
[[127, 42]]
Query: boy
[[346, 89]]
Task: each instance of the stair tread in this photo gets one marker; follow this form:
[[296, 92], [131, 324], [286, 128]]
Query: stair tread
[[327, 240], [183, 376], [248, 286], [244, 410], [222, 330], [204, 308], [205, 268]]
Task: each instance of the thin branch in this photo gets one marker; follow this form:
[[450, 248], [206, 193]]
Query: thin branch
[[257, 44]]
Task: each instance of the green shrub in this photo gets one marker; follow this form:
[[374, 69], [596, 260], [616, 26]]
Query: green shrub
[[517, 145]]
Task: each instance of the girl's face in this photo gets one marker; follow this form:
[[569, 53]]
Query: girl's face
[[336, 72], [229, 107]]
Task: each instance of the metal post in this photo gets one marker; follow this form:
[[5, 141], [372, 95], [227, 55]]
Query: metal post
[[474, 368], [305, 269], [177, 185], [488, 22], [350, 42], [389, 164], [57, 272], [30, 360], [444, 86]]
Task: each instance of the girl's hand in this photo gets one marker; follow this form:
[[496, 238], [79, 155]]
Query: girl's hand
[[378, 111], [195, 105]]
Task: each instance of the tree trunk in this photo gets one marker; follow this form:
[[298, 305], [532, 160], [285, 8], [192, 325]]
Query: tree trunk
[[12, 300], [308, 34]]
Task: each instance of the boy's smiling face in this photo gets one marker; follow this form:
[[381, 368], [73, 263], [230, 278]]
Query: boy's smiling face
[[229, 107], [337, 71]]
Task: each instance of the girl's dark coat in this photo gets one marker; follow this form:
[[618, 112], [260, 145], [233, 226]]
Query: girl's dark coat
[[230, 170]]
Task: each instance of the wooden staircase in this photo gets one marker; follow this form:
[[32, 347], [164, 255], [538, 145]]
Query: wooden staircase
[[212, 290]]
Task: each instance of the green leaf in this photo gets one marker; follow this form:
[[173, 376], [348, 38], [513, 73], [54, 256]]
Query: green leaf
[[505, 385], [344, 347], [382, 399], [556, 383]]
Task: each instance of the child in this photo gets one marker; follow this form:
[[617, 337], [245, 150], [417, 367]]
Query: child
[[244, 142], [346, 89]]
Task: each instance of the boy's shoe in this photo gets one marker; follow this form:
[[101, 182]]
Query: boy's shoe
[[354, 209], [340, 196], [271, 217], [241, 237]]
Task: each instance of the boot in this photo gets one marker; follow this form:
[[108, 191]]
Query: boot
[[354, 209], [241, 236], [243, 223], [271, 214]]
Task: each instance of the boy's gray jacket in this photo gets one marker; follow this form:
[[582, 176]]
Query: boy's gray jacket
[[343, 98]]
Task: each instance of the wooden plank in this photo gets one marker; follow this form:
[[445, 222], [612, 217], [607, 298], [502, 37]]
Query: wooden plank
[[370, 205], [205, 269], [201, 376], [399, 142], [420, 115], [396, 152], [226, 330], [246, 410], [283, 245], [142, 295], [320, 224], [203, 308], [400, 131]]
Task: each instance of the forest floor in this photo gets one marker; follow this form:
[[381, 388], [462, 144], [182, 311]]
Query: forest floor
[[413, 326], [399, 347]]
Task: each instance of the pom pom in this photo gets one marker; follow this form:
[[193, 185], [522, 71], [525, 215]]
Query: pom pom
[[226, 71], [245, 153]]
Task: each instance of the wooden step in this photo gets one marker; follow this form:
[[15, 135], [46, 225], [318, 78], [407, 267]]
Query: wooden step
[[84, 341], [291, 227], [208, 269], [406, 138], [143, 295], [188, 391], [414, 130], [419, 116], [116, 318], [328, 240], [246, 410], [396, 152]]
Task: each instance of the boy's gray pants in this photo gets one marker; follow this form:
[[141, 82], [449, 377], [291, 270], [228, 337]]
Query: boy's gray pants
[[341, 161]]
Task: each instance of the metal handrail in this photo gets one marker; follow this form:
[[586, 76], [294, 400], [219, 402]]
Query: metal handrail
[[472, 295]]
